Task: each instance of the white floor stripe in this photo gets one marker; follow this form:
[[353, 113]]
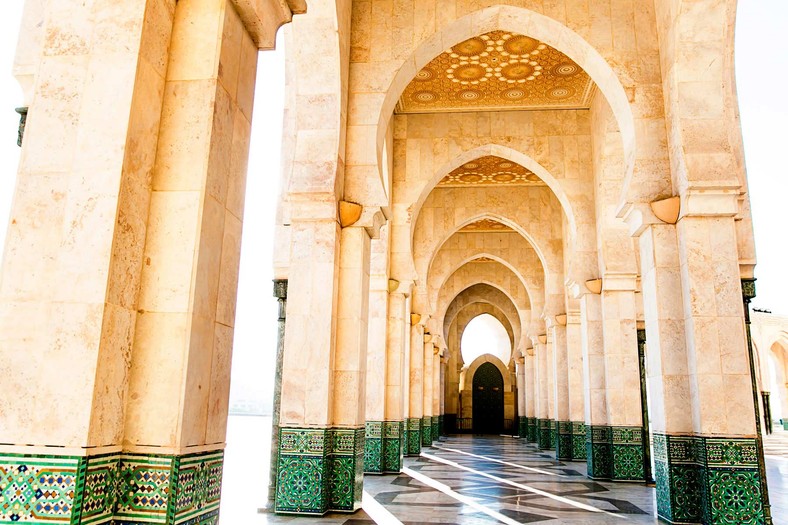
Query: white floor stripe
[[376, 511], [533, 490], [437, 485], [502, 462]]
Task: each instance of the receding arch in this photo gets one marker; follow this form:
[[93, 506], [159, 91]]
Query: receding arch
[[526, 22], [482, 293], [509, 154]]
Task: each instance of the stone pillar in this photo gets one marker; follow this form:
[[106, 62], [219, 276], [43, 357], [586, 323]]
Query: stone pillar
[[622, 377], [532, 425], [551, 401], [563, 442], [393, 430], [599, 439], [436, 392], [413, 431], [576, 385], [377, 388], [426, 418], [522, 421], [697, 352], [280, 292], [543, 387], [443, 383], [70, 277]]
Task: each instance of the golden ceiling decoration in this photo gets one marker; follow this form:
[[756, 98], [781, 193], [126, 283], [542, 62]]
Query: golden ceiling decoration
[[490, 170], [498, 70], [486, 226]]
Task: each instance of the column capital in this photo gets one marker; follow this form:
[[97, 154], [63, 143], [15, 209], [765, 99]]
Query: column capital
[[263, 18], [280, 288]]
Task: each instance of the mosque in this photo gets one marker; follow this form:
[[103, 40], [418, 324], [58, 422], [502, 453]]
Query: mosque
[[571, 168]]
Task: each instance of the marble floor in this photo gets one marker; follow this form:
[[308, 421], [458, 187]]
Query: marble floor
[[470, 480]]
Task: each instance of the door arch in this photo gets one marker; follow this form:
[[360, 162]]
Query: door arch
[[487, 400]]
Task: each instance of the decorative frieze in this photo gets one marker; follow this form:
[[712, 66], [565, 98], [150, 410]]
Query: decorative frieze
[[708, 480], [118, 489]]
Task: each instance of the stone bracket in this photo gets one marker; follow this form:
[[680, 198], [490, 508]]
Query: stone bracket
[[263, 18]]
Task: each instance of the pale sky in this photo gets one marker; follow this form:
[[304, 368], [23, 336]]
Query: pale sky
[[762, 47]]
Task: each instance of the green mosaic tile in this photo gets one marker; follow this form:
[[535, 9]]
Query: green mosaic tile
[[533, 430], [441, 425], [553, 434], [734, 496], [413, 436], [627, 454], [522, 427], [373, 429], [199, 487], [301, 485], [599, 451], [373, 455], [563, 450], [426, 431], [544, 434], [435, 427]]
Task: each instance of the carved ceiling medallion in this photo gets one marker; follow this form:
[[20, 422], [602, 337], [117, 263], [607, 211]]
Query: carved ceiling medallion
[[486, 226], [488, 171], [498, 70]]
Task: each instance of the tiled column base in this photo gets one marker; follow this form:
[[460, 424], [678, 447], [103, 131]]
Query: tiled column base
[[383, 447], [435, 427], [522, 427], [563, 445], [544, 434], [708, 480], [413, 436], [627, 454], [122, 489], [599, 451], [533, 430], [320, 470], [553, 433], [578, 441], [426, 431], [441, 425]]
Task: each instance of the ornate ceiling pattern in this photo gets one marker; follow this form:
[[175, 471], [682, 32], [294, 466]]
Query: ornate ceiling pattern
[[486, 226], [490, 170], [498, 70]]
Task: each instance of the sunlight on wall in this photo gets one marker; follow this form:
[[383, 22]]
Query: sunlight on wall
[[485, 335]]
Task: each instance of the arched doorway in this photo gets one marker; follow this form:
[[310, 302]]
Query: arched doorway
[[487, 400]]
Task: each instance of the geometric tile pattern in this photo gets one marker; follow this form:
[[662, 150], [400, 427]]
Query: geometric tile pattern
[[599, 451], [441, 425], [413, 436], [383, 447], [320, 470], [707, 479], [497, 70], [426, 431], [116, 488], [532, 435], [435, 427], [487, 171], [553, 427], [563, 445], [544, 434], [578, 441], [627, 454], [522, 427]]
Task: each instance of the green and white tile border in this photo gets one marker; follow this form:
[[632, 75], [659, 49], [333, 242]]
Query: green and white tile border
[[383, 446], [116, 489]]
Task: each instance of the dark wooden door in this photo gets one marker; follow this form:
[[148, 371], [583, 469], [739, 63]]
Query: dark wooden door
[[487, 400]]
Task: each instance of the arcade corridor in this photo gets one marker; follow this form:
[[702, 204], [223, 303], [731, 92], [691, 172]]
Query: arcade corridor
[[472, 480]]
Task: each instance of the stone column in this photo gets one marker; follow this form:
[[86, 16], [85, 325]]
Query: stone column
[[436, 392], [522, 421], [532, 426], [377, 365], [393, 431], [576, 385], [543, 388], [563, 442], [551, 401], [413, 430], [443, 384], [70, 276], [622, 376], [598, 435], [426, 418]]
